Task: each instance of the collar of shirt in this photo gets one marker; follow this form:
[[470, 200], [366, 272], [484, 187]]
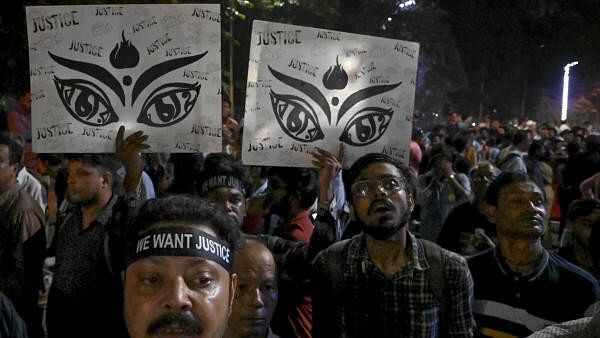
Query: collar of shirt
[[506, 270], [416, 258], [102, 219]]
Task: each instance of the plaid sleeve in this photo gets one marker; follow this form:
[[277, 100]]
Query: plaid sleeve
[[460, 293], [574, 328]]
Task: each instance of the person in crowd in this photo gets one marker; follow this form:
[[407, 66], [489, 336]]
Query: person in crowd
[[440, 190], [178, 279], [19, 123], [416, 151], [23, 239], [11, 325], [86, 292], [29, 182], [186, 168], [579, 166], [460, 149], [385, 282], [520, 287], [467, 230], [225, 181], [576, 246], [512, 158], [590, 187], [291, 195], [256, 294]]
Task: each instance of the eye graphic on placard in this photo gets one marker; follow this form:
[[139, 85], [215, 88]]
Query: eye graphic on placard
[[166, 105], [85, 101], [298, 118], [169, 104], [366, 126]]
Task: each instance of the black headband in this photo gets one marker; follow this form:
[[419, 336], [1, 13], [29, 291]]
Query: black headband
[[180, 241], [221, 181]]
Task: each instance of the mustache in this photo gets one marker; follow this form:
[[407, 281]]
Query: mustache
[[184, 321], [380, 203]]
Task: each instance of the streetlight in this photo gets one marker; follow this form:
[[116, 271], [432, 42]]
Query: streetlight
[[565, 98]]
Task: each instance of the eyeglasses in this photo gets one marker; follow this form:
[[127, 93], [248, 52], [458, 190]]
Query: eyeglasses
[[387, 185]]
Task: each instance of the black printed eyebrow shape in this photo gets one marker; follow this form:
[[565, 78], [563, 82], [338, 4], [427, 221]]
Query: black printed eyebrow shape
[[307, 89], [161, 69], [316, 95], [144, 80], [361, 95], [94, 71]]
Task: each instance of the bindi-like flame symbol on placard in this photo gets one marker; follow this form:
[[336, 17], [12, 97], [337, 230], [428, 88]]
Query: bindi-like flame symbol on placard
[[299, 119], [335, 77], [124, 55], [88, 103]]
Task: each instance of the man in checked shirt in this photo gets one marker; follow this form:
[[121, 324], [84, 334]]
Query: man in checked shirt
[[384, 282]]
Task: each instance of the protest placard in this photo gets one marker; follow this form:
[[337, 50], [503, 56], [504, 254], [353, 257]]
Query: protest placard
[[310, 87], [155, 68]]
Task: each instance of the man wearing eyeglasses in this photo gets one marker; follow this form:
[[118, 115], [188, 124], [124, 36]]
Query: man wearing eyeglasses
[[384, 282]]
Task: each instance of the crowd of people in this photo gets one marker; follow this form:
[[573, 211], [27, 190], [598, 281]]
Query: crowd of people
[[458, 243]]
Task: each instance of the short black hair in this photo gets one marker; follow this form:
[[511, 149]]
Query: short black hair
[[188, 209], [108, 162], [493, 192], [350, 175], [520, 136], [582, 207], [440, 152], [222, 164], [301, 182], [15, 150]]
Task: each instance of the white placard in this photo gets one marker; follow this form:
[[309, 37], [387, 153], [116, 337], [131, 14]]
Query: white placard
[[312, 87], [155, 68]]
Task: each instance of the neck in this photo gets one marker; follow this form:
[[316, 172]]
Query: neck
[[233, 333], [389, 255], [521, 255], [90, 211], [8, 186]]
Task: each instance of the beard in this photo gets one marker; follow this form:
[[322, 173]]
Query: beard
[[75, 199], [383, 229]]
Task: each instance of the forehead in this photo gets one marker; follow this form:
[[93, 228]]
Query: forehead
[[594, 214], [4, 150], [80, 165], [519, 188], [254, 258], [378, 170], [224, 192]]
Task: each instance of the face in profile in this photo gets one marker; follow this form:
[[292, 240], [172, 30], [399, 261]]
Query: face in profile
[[174, 296], [256, 294]]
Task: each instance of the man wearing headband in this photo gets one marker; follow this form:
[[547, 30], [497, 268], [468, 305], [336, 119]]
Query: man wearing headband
[[225, 182], [178, 279]]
